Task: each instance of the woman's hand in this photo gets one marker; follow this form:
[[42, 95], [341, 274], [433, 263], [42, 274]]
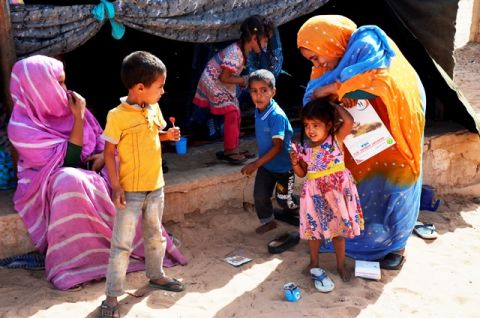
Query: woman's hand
[[348, 102], [322, 91], [77, 105], [97, 162]]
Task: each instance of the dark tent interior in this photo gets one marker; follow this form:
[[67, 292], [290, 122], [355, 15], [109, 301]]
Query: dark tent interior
[[93, 68]]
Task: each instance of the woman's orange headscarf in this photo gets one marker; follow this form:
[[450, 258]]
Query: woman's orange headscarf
[[325, 35]]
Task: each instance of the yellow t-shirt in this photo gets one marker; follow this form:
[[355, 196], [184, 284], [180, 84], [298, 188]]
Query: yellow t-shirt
[[135, 130]]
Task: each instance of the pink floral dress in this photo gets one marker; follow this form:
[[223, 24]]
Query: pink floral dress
[[329, 203]]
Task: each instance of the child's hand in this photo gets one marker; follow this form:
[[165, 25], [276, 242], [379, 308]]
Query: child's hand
[[296, 148], [294, 153], [173, 134], [293, 157], [249, 169], [118, 197], [245, 81]]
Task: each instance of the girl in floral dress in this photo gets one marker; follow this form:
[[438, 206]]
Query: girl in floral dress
[[329, 204]]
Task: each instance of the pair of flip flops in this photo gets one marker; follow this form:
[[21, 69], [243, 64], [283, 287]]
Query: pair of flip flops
[[322, 282], [174, 285], [426, 231], [283, 242]]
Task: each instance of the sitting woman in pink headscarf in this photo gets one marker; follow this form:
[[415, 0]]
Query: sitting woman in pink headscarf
[[65, 206]]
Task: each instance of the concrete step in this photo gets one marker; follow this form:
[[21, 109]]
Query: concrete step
[[198, 182], [195, 183], [451, 160]]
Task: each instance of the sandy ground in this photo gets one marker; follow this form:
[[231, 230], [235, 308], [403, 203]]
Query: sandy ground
[[440, 278], [466, 73]]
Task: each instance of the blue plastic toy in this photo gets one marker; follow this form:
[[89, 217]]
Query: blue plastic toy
[[291, 292]]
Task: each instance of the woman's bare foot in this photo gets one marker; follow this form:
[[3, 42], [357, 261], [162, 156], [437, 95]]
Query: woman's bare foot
[[344, 273], [264, 228]]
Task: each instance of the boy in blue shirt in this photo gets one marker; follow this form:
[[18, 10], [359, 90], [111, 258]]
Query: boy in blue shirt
[[274, 134]]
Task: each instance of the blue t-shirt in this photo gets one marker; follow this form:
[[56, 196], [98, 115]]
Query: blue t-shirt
[[269, 124]]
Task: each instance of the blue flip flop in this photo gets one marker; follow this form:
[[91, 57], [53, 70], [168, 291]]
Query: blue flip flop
[[322, 282], [426, 231]]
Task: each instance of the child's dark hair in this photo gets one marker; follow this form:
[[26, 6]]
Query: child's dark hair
[[318, 109], [141, 67], [262, 75], [255, 25]]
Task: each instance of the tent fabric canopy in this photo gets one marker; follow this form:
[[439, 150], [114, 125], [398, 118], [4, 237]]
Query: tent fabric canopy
[[53, 30]]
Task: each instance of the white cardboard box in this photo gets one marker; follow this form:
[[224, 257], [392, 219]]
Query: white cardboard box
[[367, 269]]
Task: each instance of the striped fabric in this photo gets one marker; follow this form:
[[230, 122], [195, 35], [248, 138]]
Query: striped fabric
[[67, 211]]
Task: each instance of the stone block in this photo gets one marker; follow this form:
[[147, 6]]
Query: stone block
[[15, 239]]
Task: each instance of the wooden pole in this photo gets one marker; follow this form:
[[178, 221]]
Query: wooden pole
[[475, 28], [7, 54]]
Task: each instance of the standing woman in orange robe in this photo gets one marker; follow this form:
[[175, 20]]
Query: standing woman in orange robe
[[363, 63]]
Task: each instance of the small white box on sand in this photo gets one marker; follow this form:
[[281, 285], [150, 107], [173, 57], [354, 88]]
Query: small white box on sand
[[366, 269]]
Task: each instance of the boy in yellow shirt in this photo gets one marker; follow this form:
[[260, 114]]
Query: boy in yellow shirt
[[134, 128]]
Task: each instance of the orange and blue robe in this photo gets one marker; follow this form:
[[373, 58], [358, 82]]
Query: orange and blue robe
[[389, 184]]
